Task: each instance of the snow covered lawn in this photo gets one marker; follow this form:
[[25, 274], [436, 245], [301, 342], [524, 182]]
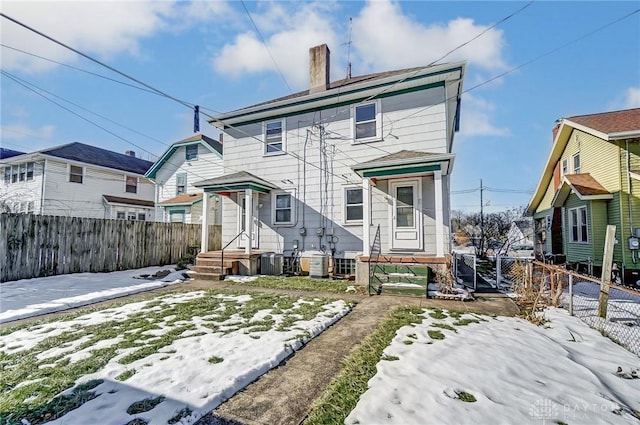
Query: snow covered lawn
[[473, 369], [168, 359]]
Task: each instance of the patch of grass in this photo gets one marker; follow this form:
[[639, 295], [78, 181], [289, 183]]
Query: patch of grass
[[389, 358], [465, 322], [342, 395], [182, 413], [126, 375], [435, 334], [444, 326], [466, 397], [215, 360], [438, 314], [144, 405]]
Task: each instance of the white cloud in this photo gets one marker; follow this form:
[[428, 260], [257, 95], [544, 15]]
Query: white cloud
[[24, 132], [289, 33], [476, 118], [101, 28], [385, 38], [632, 98]]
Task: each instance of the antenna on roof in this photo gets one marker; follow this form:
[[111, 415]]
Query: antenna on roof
[[349, 49]]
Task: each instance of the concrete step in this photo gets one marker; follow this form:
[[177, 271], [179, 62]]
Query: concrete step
[[210, 269], [214, 262], [204, 276]]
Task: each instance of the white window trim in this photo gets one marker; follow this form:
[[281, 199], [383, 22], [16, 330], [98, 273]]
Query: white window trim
[[564, 167], [283, 151], [344, 205], [186, 182], [573, 163], [378, 135], [579, 224], [291, 222], [84, 173]]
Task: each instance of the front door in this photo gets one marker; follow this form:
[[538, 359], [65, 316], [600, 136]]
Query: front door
[[406, 215], [242, 211]]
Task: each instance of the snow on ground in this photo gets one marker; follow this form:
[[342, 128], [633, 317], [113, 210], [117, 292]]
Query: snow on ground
[[518, 373], [182, 372], [623, 312], [32, 297]]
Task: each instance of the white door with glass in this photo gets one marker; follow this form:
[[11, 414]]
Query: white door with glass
[[242, 211], [406, 216]]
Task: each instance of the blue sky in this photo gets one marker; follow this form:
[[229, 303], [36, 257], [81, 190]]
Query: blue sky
[[209, 53]]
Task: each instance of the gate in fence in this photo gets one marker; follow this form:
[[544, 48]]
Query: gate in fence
[[464, 269], [510, 270]]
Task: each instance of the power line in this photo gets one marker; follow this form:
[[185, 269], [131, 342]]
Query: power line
[[265, 46]]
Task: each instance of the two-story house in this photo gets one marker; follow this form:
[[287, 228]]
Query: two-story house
[[319, 170], [184, 163], [78, 180], [591, 179]]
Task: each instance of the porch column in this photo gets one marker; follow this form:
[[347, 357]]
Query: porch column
[[248, 219], [437, 182], [204, 244], [366, 216]]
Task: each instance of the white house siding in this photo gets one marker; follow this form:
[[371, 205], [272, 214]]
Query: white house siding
[[207, 166], [20, 195], [401, 129], [62, 197]]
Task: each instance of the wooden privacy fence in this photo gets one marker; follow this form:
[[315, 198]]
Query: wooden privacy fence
[[36, 245]]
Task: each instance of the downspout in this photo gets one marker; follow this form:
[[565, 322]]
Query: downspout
[[44, 166], [303, 230], [626, 142]]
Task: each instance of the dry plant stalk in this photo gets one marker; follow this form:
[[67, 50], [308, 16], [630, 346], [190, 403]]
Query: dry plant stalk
[[445, 279], [537, 291]]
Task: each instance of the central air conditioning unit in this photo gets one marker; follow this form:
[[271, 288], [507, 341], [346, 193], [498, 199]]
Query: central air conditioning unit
[[271, 264]]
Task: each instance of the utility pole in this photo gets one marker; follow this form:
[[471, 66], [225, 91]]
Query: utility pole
[[481, 218]]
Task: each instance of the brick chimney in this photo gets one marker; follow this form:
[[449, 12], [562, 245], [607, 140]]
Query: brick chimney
[[319, 61]]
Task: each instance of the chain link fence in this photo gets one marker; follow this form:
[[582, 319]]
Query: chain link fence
[[582, 296], [464, 269]]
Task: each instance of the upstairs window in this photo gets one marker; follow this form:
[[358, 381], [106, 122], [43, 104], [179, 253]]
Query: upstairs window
[[30, 167], [23, 172], [181, 183], [191, 152], [565, 167], [75, 174], [576, 163], [353, 205], [131, 185], [14, 174], [273, 137], [366, 122]]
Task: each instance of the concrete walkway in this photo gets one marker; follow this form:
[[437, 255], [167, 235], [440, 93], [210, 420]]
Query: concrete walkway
[[285, 394]]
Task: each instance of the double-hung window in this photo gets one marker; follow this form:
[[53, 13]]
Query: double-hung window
[[273, 137], [23, 172], [565, 167], [75, 174], [366, 122], [283, 208], [579, 226], [181, 183], [191, 152], [30, 166], [353, 204], [131, 185], [14, 173], [576, 163]]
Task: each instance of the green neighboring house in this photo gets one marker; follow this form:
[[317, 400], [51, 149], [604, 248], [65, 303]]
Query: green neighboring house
[[591, 179]]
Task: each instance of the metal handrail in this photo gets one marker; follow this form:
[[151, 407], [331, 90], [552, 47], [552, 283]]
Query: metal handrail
[[222, 268], [374, 252]]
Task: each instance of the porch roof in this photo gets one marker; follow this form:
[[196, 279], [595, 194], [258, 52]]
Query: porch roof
[[584, 185], [184, 199], [405, 162], [235, 182], [127, 201]]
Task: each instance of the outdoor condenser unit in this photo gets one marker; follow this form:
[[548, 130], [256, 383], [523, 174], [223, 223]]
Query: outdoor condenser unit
[[271, 264]]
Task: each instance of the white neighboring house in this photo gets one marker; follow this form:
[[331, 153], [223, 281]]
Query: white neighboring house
[[521, 233], [77, 180], [186, 162], [319, 170]]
